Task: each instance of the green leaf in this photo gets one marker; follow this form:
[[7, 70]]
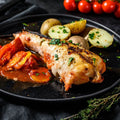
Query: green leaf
[[70, 60]]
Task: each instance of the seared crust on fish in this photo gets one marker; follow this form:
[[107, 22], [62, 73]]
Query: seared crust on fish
[[72, 63]]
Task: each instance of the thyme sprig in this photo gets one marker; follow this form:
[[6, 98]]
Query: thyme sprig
[[97, 106]]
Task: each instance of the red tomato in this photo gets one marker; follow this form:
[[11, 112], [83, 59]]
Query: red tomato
[[108, 6], [97, 8], [117, 12], [84, 6], [70, 5]]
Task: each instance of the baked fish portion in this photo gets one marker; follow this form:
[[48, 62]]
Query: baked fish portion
[[72, 63]]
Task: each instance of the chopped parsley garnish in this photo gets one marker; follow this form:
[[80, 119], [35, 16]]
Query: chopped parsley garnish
[[92, 35], [94, 59], [118, 57], [54, 42], [33, 24], [43, 40], [105, 47], [100, 53], [56, 57], [97, 32], [37, 74], [53, 30], [70, 60], [60, 27], [73, 97], [65, 31], [25, 24], [58, 31], [43, 73], [70, 41], [104, 60], [98, 35], [77, 44], [63, 41], [81, 19], [72, 21], [98, 42]]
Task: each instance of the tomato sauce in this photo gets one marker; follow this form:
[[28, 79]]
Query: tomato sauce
[[15, 75]]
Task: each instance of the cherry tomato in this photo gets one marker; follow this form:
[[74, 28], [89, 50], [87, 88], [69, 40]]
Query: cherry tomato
[[97, 8], [108, 6], [84, 6], [117, 12], [70, 5]]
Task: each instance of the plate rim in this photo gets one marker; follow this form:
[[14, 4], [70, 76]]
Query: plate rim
[[60, 99]]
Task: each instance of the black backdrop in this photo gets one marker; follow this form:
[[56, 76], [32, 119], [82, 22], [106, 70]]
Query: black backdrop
[[10, 110]]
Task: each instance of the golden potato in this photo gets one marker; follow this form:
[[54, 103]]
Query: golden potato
[[47, 24], [99, 38], [77, 26], [78, 40], [59, 32]]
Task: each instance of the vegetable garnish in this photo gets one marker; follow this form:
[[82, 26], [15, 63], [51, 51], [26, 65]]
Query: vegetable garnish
[[56, 57], [53, 30], [54, 42], [37, 74], [70, 60], [60, 27], [100, 53], [77, 44], [94, 59], [63, 41], [72, 21], [70, 41], [104, 60], [65, 31], [118, 57], [92, 35], [25, 24], [43, 40], [33, 24], [105, 47], [98, 42], [81, 19], [43, 73], [97, 32]]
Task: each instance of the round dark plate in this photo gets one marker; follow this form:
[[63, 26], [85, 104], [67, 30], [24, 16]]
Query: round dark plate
[[54, 91]]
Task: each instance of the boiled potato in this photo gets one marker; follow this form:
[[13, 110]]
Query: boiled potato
[[78, 40], [77, 26], [99, 38], [59, 32], [47, 24]]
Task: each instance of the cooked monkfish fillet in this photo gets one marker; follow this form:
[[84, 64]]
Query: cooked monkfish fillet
[[73, 64]]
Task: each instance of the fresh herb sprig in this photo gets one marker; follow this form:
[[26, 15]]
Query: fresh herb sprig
[[97, 106]]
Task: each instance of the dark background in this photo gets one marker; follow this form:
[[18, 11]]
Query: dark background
[[10, 110]]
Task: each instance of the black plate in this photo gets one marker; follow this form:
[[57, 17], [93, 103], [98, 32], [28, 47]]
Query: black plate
[[54, 91]]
